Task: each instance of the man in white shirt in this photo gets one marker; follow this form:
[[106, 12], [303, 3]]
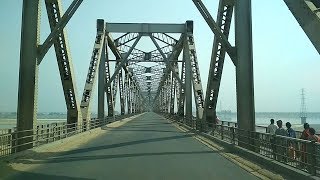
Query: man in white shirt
[[272, 130], [272, 127]]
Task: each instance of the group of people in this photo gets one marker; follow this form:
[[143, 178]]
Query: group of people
[[307, 134], [283, 148], [279, 130]]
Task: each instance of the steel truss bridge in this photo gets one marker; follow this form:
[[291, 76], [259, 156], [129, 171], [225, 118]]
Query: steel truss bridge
[[164, 80]]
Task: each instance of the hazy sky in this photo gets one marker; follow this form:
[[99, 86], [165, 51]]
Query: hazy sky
[[284, 59]]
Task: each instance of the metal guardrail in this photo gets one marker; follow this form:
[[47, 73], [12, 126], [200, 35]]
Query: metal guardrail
[[44, 134], [297, 153]]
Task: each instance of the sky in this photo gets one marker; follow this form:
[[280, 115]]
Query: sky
[[285, 61]]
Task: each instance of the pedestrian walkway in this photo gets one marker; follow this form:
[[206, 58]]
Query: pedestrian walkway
[[148, 147]]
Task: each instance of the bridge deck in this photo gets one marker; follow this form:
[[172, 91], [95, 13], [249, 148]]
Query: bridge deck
[[148, 147]]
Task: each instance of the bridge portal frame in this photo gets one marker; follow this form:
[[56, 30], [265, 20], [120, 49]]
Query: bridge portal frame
[[32, 53]]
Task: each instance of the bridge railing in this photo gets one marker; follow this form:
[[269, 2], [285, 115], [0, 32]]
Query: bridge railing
[[47, 133], [259, 128], [297, 153]]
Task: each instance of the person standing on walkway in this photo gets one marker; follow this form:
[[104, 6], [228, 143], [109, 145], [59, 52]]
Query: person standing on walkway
[[291, 133], [281, 142], [312, 136], [291, 145], [305, 136], [272, 127], [280, 131]]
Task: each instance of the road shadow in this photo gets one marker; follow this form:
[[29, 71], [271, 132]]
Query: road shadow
[[44, 155], [137, 124], [8, 173], [111, 156], [110, 146], [136, 129]]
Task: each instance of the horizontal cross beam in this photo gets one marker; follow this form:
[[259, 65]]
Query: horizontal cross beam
[[145, 28]]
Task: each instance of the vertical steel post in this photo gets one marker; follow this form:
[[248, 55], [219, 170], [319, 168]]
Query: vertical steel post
[[224, 18], [172, 91], [129, 96], [181, 103], [88, 90], [121, 93], [108, 88], [244, 68], [188, 83], [28, 72], [64, 61], [101, 82]]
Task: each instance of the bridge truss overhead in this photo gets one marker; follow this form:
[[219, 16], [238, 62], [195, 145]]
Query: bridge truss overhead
[[161, 76], [156, 70]]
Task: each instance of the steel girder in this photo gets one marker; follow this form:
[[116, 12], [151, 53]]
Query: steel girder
[[138, 71], [166, 59], [115, 85], [134, 98], [168, 93], [108, 89], [28, 73], [181, 100], [307, 14], [244, 69], [126, 38], [57, 27], [196, 80], [32, 52], [128, 90], [188, 83], [165, 38], [155, 75], [216, 29], [190, 77], [224, 17], [125, 89], [115, 51], [173, 56], [138, 55], [101, 82], [172, 92], [54, 11], [124, 61], [145, 28], [241, 55], [121, 93], [97, 52]]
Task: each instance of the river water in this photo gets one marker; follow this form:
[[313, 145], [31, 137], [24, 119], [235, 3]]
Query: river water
[[262, 118]]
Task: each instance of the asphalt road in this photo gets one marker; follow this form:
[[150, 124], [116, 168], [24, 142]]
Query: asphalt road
[[146, 148]]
